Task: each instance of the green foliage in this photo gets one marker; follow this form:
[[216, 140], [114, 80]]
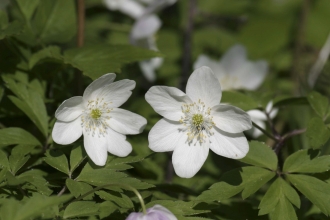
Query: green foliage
[[317, 132], [319, 103], [58, 160], [80, 209], [10, 136], [260, 155], [238, 99]]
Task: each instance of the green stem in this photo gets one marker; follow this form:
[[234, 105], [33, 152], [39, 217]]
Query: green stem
[[264, 131], [112, 184]]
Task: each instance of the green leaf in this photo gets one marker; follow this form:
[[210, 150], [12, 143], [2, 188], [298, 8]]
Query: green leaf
[[306, 161], [30, 102], [317, 132], [34, 177], [319, 103], [51, 52], [10, 136], [239, 100], [79, 188], [14, 28], [81, 208], [277, 191], [317, 191], [17, 162], [53, 24], [247, 179], [36, 206], [96, 60], [76, 157], [58, 160], [27, 7], [290, 101], [119, 198], [283, 210], [178, 208], [3, 160], [260, 155]]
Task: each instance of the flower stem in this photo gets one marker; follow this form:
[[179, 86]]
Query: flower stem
[[112, 184], [264, 131]]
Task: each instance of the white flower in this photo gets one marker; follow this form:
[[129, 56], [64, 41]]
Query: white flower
[[144, 28], [234, 71], [195, 122], [259, 117], [157, 212], [96, 115]]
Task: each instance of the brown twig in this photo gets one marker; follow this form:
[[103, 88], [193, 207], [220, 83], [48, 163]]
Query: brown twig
[[80, 42]]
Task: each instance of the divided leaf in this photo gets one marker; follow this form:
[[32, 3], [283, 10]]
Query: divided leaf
[[81, 208], [317, 191], [79, 188], [10, 136], [319, 103], [58, 160], [306, 161], [246, 179], [317, 132], [260, 155]]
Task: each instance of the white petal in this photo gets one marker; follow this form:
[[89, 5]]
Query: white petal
[[269, 106], [128, 7], [203, 85], [148, 68], [67, 132], [252, 74], [126, 122], [115, 93], [231, 119], [96, 148], [233, 58], [70, 109], [98, 84], [117, 144], [188, 159], [204, 60], [228, 144], [164, 135], [257, 115], [163, 211], [145, 27], [167, 101], [273, 113]]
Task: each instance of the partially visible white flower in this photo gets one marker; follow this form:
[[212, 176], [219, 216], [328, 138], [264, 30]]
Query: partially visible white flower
[[195, 122], [259, 117], [96, 116], [144, 28], [234, 71], [157, 212]]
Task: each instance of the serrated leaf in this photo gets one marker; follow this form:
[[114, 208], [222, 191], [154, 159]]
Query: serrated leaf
[[58, 160], [317, 132], [10, 136], [76, 157], [51, 52], [79, 188], [306, 161], [30, 102], [119, 198], [246, 179], [14, 28], [96, 60], [35, 178], [275, 193], [27, 7], [17, 162], [317, 191], [319, 103], [283, 210], [53, 24], [81, 208], [260, 155], [239, 100]]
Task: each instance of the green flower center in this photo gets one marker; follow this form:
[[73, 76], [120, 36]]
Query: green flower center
[[95, 113], [197, 120]]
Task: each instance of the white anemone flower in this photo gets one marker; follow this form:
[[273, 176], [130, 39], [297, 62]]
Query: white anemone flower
[[234, 71], [144, 29], [195, 122], [156, 212], [259, 117], [96, 116]]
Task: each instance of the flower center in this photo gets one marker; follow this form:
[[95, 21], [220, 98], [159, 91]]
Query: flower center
[[198, 122], [95, 117]]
